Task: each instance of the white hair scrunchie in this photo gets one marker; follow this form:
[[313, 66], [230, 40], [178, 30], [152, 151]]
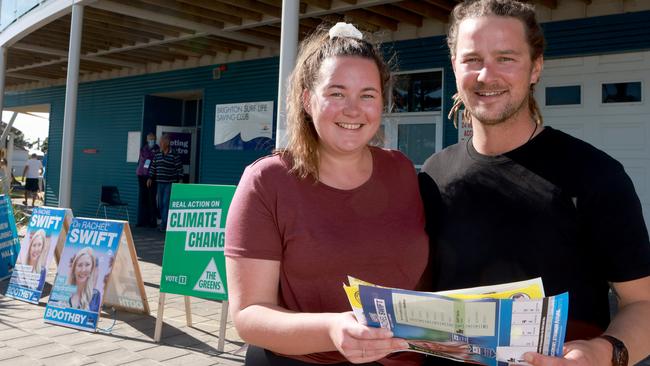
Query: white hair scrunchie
[[345, 30]]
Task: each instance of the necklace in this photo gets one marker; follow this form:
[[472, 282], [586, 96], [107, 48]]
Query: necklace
[[532, 134]]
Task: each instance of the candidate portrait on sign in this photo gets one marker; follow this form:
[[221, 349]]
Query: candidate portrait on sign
[[83, 275]]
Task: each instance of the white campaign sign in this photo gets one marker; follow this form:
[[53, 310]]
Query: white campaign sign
[[465, 131], [251, 120]]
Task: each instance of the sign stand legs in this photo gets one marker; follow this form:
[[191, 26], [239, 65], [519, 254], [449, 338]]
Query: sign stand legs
[[159, 317], [188, 311], [222, 325]]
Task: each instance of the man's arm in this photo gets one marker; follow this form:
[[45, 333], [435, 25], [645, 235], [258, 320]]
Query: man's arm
[[25, 172], [152, 170], [632, 322], [631, 325]]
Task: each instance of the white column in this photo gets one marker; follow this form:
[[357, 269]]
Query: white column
[[3, 138], [288, 51], [3, 73], [70, 111]]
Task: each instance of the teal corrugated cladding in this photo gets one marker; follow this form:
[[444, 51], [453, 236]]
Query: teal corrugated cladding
[[108, 109], [251, 81], [598, 35]]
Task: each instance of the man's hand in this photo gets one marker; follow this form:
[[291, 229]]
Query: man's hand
[[594, 352], [149, 183]]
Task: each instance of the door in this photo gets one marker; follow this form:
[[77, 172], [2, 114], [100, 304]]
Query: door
[[417, 135]]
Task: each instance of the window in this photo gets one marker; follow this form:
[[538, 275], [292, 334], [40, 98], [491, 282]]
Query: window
[[418, 92], [417, 141], [622, 92], [414, 125], [563, 95]]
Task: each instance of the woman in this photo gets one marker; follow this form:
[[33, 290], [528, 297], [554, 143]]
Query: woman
[[328, 206], [83, 267], [36, 258], [147, 211]]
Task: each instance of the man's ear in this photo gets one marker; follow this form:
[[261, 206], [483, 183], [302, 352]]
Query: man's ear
[[306, 101], [536, 72], [453, 63]]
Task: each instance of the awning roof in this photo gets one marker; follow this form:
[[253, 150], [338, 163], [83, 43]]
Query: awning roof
[[127, 37]]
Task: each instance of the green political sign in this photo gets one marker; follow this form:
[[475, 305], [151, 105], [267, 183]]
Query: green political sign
[[193, 260]]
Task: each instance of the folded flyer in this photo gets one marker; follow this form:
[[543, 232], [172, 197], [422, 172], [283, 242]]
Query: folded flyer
[[479, 327]]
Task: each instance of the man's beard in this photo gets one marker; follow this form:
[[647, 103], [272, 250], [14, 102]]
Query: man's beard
[[508, 111]]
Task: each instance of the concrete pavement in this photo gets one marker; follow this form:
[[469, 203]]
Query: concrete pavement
[[125, 338]]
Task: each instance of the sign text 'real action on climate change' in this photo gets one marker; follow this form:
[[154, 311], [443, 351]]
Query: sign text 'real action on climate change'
[[201, 221]]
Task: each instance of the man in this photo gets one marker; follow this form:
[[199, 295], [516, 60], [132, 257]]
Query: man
[[31, 175], [147, 213], [166, 169], [520, 200]]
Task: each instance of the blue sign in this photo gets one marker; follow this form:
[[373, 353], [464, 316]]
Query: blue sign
[[36, 253], [84, 269], [9, 244]]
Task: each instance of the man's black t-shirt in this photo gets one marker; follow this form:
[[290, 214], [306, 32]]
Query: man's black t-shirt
[[556, 208]]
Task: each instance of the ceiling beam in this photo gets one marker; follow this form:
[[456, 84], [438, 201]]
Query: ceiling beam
[[323, 4], [195, 11], [373, 18], [257, 6], [107, 28], [445, 4], [313, 12], [219, 6], [425, 9], [64, 55], [175, 21], [132, 23], [551, 4], [28, 77], [397, 13]]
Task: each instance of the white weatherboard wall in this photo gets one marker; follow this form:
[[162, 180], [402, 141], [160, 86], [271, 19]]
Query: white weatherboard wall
[[620, 129]]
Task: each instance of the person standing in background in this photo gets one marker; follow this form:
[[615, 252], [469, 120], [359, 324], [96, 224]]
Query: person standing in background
[[165, 169], [147, 212], [32, 175]]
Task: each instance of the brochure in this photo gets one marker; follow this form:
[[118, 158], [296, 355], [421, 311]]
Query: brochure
[[493, 325]]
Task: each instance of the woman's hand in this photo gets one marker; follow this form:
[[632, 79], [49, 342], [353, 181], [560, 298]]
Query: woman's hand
[[360, 343]]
